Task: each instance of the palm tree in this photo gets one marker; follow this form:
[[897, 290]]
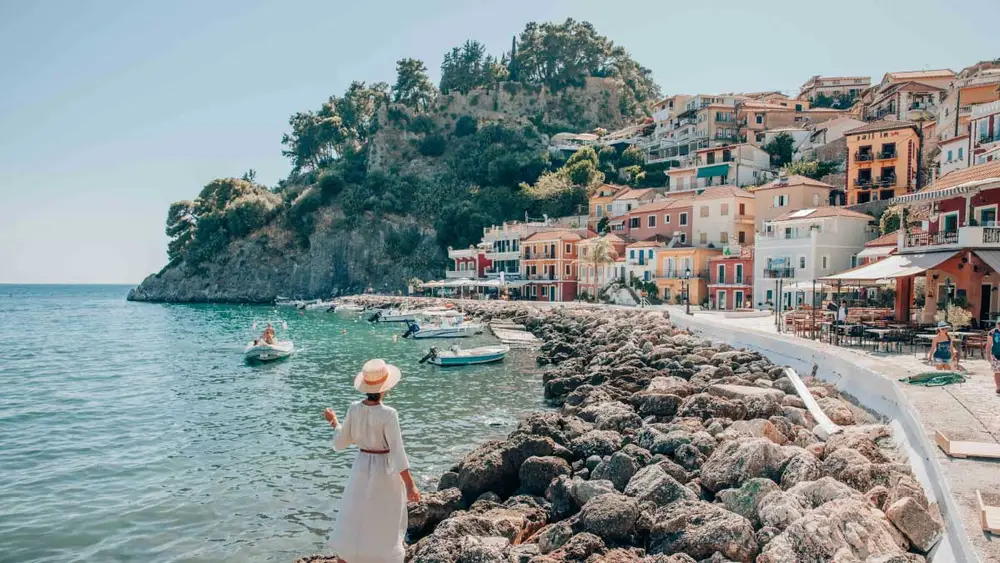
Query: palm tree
[[601, 253]]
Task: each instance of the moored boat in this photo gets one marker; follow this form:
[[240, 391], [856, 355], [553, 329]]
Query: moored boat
[[456, 356], [257, 351], [320, 305], [445, 329], [392, 316]]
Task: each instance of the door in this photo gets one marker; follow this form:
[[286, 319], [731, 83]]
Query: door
[[984, 302], [721, 300], [738, 300], [739, 273], [721, 277]]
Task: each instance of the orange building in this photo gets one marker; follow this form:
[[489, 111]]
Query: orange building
[[684, 268], [882, 160], [547, 262], [600, 203]]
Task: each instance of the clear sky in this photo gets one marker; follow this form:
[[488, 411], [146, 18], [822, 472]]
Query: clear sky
[[110, 110]]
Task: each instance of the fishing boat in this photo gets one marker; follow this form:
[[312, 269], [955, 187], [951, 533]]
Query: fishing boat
[[456, 356], [447, 328], [392, 316], [257, 351]]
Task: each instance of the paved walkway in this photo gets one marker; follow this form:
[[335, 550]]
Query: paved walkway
[[966, 411]]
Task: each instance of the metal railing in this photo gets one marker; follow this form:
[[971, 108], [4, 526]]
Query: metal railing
[[863, 156], [885, 181], [928, 239], [746, 279], [862, 182], [681, 274], [887, 155], [779, 273]]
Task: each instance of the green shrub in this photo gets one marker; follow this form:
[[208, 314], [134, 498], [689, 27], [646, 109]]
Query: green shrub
[[330, 185], [300, 214], [422, 124], [474, 100], [465, 126], [433, 145]]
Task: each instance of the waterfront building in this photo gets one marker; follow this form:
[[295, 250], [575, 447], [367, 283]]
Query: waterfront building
[[882, 160], [738, 165], [954, 154], [548, 259], [834, 87], [723, 215], [789, 193], [594, 274], [974, 85], [730, 278], [502, 244], [680, 269], [666, 219], [470, 262], [984, 128], [804, 245], [640, 259]]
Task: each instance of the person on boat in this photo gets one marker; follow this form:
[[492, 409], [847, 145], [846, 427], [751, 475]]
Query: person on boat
[[943, 353], [268, 336], [994, 340], [371, 520]]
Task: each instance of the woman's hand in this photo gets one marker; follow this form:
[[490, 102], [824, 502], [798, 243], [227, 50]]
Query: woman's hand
[[412, 494], [330, 416]]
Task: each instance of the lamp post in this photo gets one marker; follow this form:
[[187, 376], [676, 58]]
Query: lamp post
[[687, 291]]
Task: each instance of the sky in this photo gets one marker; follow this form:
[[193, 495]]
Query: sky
[[110, 110]]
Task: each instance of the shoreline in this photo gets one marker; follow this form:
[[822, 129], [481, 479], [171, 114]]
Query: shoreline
[[668, 448]]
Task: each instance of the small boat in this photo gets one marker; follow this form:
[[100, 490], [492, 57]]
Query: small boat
[[286, 302], [446, 329], [441, 313], [456, 356], [392, 316], [257, 351], [348, 308], [320, 305]]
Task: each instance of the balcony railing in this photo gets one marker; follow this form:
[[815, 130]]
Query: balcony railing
[[471, 274], [885, 181], [546, 277], [928, 239], [862, 182], [680, 274], [779, 273], [887, 155], [964, 237], [730, 280], [863, 156]]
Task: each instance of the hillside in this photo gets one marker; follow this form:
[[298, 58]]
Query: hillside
[[384, 178]]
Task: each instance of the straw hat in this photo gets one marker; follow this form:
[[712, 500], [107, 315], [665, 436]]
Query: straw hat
[[377, 377], [942, 324]]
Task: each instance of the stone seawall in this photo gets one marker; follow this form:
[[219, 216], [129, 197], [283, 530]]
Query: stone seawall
[[668, 448]]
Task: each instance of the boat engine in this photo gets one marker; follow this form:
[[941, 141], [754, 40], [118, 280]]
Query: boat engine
[[411, 328], [432, 353], [375, 317]]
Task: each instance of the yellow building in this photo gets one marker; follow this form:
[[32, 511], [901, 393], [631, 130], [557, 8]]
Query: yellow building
[[679, 268], [882, 159], [600, 203]]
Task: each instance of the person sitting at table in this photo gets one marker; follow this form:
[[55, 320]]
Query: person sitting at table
[[943, 353]]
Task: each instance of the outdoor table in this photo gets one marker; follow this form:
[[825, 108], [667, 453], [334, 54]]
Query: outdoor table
[[880, 334], [899, 326]]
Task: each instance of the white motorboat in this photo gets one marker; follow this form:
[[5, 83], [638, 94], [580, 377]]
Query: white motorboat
[[258, 351], [320, 306], [438, 313], [447, 328], [456, 356], [392, 316]]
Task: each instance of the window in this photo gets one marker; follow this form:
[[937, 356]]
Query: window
[[724, 237], [780, 200], [583, 251], [961, 156], [824, 262], [854, 260], [760, 119], [802, 262], [770, 294], [633, 223], [567, 269], [741, 237], [569, 248], [949, 222], [950, 158], [600, 211], [720, 275], [684, 219], [724, 209], [798, 107], [651, 221], [684, 238], [704, 211], [743, 209], [703, 238], [631, 254], [666, 219], [649, 253]]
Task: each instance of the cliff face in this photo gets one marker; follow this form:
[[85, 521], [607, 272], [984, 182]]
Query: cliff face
[[259, 268]]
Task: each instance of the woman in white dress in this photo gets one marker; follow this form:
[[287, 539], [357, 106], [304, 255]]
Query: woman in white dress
[[371, 520]]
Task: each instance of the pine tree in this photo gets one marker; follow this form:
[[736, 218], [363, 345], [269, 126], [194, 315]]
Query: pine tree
[[512, 65]]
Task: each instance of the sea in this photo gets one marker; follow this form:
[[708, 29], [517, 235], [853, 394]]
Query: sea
[[136, 432]]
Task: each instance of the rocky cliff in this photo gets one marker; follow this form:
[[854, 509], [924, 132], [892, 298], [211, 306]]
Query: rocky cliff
[[383, 255]]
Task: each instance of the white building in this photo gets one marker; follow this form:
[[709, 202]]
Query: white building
[[734, 165], [629, 199], [640, 260], [723, 216], [801, 246], [954, 154]]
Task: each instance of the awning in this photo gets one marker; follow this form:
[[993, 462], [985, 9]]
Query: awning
[[991, 257], [876, 251], [807, 287], [895, 266], [717, 170]]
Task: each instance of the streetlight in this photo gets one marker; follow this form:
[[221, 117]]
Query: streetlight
[[687, 290]]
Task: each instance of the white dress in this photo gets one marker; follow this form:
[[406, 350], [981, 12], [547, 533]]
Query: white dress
[[371, 520]]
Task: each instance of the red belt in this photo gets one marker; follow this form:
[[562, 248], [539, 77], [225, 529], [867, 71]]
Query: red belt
[[375, 452]]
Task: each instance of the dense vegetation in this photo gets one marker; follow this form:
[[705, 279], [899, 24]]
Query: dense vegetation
[[453, 172]]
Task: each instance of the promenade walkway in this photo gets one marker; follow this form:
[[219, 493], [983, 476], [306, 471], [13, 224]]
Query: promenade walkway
[[967, 411]]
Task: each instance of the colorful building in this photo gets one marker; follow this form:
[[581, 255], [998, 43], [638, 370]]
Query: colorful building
[[666, 219], [469, 262], [723, 216], [736, 165], [640, 259], [834, 87], [984, 128], [909, 100], [683, 269], [600, 203], [730, 284], [592, 273], [548, 260], [789, 193], [882, 160]]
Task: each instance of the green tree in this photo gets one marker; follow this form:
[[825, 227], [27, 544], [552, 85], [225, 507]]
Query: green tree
[[583, 168], [632, 156], [608, 160], [467, 67], [780, 149], [413, 88], [181, 224], [890, 220], [601, 253], [810, 168], [465, 126]]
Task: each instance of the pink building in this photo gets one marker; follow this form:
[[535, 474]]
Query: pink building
[[664, 219], [730, 285], [468, 263]]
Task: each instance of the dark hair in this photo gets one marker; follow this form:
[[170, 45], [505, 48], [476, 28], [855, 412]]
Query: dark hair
[[374, 397]]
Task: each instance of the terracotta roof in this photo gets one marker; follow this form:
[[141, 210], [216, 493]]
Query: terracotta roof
[[556, 235], [881, 126], [717, 192], [645, 244], [953, 139], [629, 193], [795, 180], [821, 212], [615, 189], [610, 236], [891, 239], [985, 171], [661, 205]]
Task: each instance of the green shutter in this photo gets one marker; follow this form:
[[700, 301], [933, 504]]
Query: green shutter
[[717, 170]]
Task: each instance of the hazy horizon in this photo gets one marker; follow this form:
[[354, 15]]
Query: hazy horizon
[[112, 110]]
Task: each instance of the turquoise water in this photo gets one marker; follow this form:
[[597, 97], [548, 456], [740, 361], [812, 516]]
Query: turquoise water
[[135, 432]]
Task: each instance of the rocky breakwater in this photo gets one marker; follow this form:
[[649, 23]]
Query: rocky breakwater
[[669, 448]]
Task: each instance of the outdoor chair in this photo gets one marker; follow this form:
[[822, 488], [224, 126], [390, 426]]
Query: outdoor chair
[[974, 342]]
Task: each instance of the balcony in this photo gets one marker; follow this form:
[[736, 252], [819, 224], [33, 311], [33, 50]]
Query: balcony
[[965, 237], [730, 281], [864, 156], [885, 182], [780, 235], [679, 275], [779, 273], [887, 155], [545, 277], [508, 276], [864, 183], [503, 255]]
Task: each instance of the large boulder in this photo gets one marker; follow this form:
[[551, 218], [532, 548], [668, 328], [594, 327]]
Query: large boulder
[[652, 403], [916, 523], [746, 499], [671, 385], [800, 467], [596, 442], [483, 550], [619, 469], [432, 509], [700, 529], [562, 429], [735, 462], [537, 473], [839, 529], [611, 517], [578, 548], [837, 410], [487, 468], [553, 536], [755, 428], [653, 484], [705, 406], [584, 491], [520, 447]]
